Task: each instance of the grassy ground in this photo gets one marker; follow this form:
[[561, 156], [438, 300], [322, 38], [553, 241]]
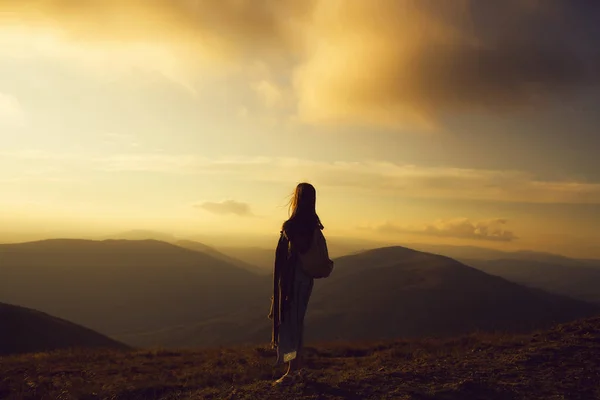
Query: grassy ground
[[563, 363]]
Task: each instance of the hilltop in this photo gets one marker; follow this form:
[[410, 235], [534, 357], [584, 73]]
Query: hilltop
[[560, 363], [24, 330]]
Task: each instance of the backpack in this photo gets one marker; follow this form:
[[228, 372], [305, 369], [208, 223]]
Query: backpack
[[315, 262]]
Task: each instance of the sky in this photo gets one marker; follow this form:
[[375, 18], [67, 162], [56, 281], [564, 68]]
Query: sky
[[460, 122]]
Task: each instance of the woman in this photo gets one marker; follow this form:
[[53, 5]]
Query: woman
[[292, 287]]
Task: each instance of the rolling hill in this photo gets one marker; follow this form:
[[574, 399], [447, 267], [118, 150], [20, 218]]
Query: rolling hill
[[577, 280], [25, 330], [151, 293], [119, 286], [398, 292], [211, 251], [263, 258], [141, 234], [393, 292], [560, 363], [468, 253]]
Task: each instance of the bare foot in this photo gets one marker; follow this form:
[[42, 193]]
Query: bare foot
[[291, 378], [287, 379]]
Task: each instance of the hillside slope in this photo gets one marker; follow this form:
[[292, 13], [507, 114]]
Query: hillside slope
[[579, 281], [24, 330], [211, 251], [398, 292], [562, 363], [263, 258], [118, 286]]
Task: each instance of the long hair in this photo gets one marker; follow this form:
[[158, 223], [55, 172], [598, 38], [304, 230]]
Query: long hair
[[303, 218]]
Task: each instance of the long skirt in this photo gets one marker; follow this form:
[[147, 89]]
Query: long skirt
[[291, 329]]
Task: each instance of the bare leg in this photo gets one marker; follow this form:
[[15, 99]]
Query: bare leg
[[288, 374]]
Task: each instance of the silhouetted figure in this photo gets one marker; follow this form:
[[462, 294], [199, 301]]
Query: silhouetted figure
[[300, 253]]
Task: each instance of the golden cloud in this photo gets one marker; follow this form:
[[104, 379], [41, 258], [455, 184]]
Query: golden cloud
[[461, 228], [390, 62], [223, 24], [226, 207], [394, 62]]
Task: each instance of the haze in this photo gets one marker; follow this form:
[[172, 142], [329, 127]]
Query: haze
[[198, 118]]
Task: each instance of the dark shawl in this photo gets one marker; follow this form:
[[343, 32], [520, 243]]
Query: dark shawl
[[293, 239]]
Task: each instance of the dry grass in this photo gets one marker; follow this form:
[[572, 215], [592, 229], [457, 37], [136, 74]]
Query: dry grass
[[563, 363]]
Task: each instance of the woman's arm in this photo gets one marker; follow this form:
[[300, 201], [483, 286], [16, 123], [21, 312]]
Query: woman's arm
[[275, 313], [276, 277]]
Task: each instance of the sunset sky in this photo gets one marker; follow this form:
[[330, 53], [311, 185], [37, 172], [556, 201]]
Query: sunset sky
[[460, 122]]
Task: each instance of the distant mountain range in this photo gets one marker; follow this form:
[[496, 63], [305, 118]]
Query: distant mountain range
[[142, 234], [262, 257], [580, 281], [151, 293], [25, 330], [261, 264], [211, 251], [482, 253], [339, 247]]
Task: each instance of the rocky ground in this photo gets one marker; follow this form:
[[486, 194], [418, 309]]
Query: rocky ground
[[563, 363]]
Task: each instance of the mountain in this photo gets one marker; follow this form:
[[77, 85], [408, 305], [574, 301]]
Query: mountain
[[149, 293], [399, 292], [561, 363], [263, 258], [29, 331], [118, 286], [580, 281], [142, 234], [211, 251], [387, 293], [468, 253]]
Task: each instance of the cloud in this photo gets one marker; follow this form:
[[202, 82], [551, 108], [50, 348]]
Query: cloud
[[393, 62], [462, 228], [218, 29], [227, 207], [409, 62], [11, 112], [363, 177]]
